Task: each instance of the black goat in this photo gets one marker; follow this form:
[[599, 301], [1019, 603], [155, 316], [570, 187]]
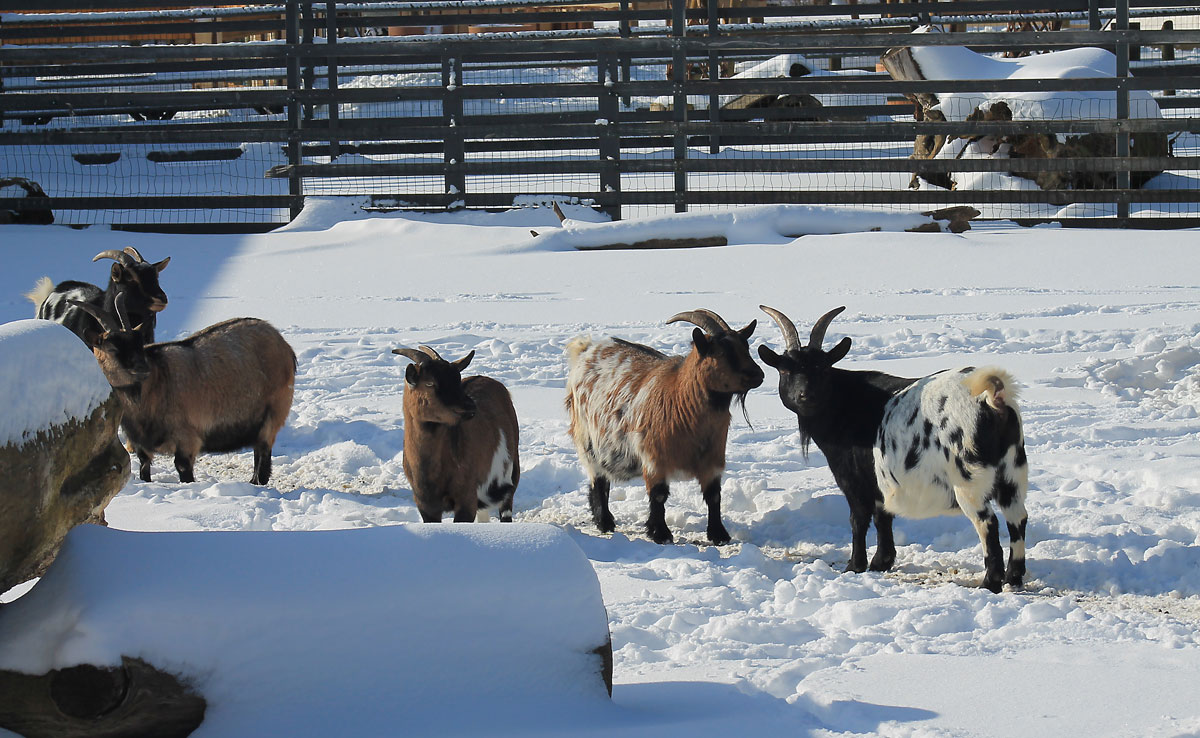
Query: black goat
[[947, 443], [131, 275]]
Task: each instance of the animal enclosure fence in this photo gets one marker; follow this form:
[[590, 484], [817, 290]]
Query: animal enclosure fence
[[162, 116]]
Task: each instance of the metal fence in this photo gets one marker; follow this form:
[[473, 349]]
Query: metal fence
[[213, 117]]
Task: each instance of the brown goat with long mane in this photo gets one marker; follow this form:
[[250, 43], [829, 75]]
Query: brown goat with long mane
[[460, 439], [224, 388], [637, 412]]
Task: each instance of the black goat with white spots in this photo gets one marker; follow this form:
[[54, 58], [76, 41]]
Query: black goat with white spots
[[947, 443]]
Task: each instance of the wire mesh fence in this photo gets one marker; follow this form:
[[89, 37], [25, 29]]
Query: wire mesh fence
[[227, 117]]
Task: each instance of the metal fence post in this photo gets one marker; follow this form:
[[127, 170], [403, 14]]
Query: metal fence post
[[679, 106], [294, 122], [454, 146]]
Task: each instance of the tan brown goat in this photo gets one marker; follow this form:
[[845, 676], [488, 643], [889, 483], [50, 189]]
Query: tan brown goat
[[637, 412], [224, 388], [460, 439]]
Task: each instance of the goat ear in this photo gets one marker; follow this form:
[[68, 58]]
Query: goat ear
[[158, 267], [769, 357], [703, 345], [748, 331], [463, 362], [116, 272], [838, 352], [412, 374]]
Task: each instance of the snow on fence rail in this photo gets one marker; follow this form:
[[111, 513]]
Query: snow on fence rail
[[629, 106]]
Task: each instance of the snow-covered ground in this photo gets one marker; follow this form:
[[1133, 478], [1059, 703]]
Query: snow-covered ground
[[766, 634]]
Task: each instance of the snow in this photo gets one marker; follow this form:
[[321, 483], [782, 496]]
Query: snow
[[47, 376], [765, 635], [397, 623]]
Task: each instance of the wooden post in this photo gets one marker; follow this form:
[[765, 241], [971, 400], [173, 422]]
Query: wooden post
[[331, 78], [679, 108], [295, 184], [1168, 50], [714, 74], [454, 149], [609, 108], [1122, 149]]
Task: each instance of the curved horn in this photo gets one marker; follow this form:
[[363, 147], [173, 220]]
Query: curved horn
[[416, 356], [134, 253], [818, 331], [430, 352], [120, 257], [791, 339], [104, 319], [119, 306], [709, 322]]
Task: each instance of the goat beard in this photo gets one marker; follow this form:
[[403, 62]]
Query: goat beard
[[740, 399], [805, 442]]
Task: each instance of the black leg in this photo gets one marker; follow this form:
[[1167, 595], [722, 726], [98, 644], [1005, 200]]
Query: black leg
[[716, 529], [506, 503], [144, 465], [262, 464], [465, 514], [598, 499], [183, 465], [656, 524], [885, 546], [1015, 575], [993, 554], [860, 521]]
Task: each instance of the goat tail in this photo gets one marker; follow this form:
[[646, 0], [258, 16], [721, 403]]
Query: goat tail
[[577, 346], [40, 291], [995, 385]]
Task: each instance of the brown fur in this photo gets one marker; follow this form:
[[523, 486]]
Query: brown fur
[[228, 386], [635, 411], [450, 446]]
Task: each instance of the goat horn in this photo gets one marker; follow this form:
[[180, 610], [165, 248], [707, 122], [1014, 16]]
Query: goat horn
[[430, 352], [791, 339], [818, 331], [416, 356], [709, 322], [104, 319], [119, 306], [134, 253], [121, 257]]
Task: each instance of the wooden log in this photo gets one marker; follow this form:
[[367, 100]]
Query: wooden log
[[133, 700]]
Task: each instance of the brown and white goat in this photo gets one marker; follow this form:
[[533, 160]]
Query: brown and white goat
[[637, 412], [224, 388], [460, 440]]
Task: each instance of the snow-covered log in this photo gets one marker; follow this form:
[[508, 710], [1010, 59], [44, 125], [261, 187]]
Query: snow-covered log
[[957, 63], [60, 460], [440, 630]]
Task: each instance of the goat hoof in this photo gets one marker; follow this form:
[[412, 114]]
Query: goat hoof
[[992, 584], [1016, 581], [660, 535], [719, 536], [605, 523], [878, 564]]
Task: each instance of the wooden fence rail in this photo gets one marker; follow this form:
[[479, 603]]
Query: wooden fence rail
[[622, 104]]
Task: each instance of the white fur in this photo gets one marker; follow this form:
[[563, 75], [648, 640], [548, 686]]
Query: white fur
[[610, 389], [935, 486], [500, 473]]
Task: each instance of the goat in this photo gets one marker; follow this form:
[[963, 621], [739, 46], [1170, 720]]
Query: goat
[[635, 411], [224, 388], [945, 443], [460, 439], [131, 275]]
